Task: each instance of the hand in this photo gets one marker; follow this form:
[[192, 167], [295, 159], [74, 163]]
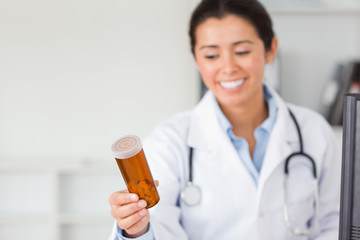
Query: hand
[[130, 213]]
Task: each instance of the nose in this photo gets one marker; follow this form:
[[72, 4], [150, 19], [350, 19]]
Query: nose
[[229, 65]]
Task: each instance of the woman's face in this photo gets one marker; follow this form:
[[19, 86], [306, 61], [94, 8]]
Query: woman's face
[[231, 58]]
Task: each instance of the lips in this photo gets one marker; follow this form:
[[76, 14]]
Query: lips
[[232, 84]]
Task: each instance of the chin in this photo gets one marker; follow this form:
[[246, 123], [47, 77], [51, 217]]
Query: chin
[[231, 101]]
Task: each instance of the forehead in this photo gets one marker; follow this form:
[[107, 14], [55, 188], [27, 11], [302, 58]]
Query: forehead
[[229, 29]]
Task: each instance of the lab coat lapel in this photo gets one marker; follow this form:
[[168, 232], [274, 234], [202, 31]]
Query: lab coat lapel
[[283, 135], [205, 133]]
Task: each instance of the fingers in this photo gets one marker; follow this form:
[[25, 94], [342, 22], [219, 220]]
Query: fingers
[[140, 227], [129, 212], [129, 209], [129, 223], [141, 221], [122, 197]]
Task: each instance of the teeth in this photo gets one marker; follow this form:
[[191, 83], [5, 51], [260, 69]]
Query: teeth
[[232, 84]]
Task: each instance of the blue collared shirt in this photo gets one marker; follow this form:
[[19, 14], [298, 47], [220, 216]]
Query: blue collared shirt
[[262, 134]]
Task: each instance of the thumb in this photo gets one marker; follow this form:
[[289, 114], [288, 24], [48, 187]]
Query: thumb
[[156, 183]]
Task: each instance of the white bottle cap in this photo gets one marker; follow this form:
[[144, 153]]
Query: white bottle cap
[[126, 146]]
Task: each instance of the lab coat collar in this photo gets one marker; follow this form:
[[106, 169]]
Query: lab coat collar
[[204, 123], [205, 133]]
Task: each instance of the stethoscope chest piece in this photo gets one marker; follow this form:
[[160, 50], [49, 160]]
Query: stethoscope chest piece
[[191, 194]]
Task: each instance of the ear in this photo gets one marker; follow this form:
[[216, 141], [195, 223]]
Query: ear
[[271, 53]]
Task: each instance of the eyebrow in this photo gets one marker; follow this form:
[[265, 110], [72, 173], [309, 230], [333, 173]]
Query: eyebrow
[[234, 44], [243, 41]]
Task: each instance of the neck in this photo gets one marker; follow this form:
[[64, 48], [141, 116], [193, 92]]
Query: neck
[[245, 118]]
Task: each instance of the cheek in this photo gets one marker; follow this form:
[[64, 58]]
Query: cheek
[[256, 65], [208, 71]]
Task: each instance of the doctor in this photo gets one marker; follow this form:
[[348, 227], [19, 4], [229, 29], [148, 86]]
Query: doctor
[[241, 134]]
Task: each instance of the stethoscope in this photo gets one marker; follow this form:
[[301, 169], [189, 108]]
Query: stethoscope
[[191, 194]]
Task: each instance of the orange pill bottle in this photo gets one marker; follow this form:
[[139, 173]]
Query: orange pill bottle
[[134, 168]]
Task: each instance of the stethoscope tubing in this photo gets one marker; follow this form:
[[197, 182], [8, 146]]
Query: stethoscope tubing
[[190, 165], [295, 230], [301, 152]]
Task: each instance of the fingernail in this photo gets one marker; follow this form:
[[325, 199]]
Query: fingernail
[[142, 204], [142, 212], [143, 219], [133, 197]]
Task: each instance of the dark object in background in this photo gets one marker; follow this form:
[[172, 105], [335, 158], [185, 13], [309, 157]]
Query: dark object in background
[[346, 79], [350, 175]]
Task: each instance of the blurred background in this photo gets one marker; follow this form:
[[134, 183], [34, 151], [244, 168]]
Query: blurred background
[[75, 75]]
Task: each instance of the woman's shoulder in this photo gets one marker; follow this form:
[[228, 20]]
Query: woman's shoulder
[[167, 141], [174, 128], [312, 120], [178, 125], [305, 113]]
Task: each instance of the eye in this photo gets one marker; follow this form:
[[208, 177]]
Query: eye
[[211, 56], [242, 53]]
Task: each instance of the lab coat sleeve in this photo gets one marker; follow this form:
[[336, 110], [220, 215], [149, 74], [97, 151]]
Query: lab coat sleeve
[[329, 190], [166, 152], [117, 234]]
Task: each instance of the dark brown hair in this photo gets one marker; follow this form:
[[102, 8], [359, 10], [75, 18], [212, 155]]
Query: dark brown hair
[[251, 10]]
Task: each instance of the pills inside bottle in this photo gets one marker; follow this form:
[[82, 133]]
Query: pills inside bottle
[[134, 168]]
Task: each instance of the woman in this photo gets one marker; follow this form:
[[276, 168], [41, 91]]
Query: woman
[[241, 134]]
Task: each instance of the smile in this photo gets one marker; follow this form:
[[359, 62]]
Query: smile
[[232, 84]]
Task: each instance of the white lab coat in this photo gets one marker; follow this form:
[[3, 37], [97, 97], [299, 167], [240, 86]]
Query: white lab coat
[[232, 206]]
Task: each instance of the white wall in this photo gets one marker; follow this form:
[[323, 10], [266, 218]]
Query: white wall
[[75, 75]]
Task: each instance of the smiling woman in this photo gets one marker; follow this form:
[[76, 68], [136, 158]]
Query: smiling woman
[[232, 58], [234, 144]]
